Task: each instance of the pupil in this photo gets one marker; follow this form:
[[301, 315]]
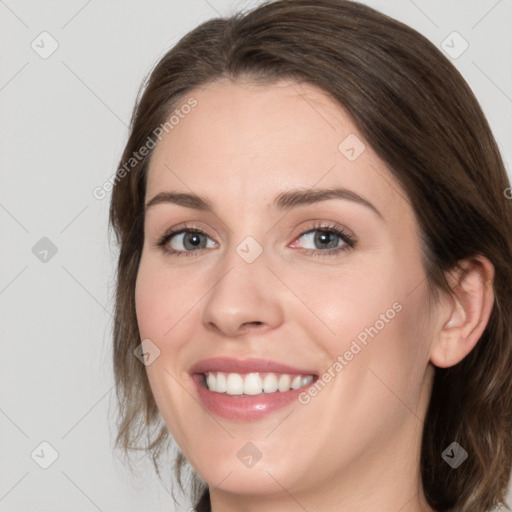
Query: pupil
[[325, 238], [192, 239]]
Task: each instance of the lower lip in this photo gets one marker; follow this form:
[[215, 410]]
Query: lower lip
[[244, 407]]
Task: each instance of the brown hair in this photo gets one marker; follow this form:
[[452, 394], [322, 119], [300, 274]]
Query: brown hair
[[419, 115]]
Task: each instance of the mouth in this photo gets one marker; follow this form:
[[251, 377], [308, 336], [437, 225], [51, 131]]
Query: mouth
[[248, 390]]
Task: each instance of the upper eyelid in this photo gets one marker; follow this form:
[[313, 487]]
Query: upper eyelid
[[180, 229]]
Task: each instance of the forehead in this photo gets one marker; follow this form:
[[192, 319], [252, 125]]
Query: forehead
[[281, 114], [248, 141]]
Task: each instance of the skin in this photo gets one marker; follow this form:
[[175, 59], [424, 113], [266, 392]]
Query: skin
[[356, 445]]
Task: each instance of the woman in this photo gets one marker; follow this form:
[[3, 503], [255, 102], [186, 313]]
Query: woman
[[315, 268]]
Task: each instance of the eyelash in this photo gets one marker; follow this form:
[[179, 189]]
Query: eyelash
[[349, 240]]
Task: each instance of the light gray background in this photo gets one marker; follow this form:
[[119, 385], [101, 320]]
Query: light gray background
[[63, 124]]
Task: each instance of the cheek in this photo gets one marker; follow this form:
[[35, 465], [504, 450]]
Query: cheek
[[148, 303], [162, 299], [373, 322], [351, 306]]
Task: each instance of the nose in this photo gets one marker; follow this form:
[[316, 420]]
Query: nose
[[245, 297]]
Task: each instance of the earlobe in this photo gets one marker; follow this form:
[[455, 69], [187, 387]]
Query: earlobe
[[466, 315]]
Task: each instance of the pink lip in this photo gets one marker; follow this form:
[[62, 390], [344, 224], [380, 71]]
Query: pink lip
[[244, 407], [231, 365]]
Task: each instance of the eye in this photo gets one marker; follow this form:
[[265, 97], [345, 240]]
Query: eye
[[185, 241], [326, 240]]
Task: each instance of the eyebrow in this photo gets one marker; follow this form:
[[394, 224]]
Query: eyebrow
[[284, 201]]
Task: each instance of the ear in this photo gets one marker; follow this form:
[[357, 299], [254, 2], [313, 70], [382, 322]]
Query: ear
[[464, 316]]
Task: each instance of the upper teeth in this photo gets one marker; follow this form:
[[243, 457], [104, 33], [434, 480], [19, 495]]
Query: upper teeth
[[254, 383]]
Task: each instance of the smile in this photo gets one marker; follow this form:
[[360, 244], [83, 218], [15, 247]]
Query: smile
[[255, 383], [247, 389]]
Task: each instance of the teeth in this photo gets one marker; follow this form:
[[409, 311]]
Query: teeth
[[306, 380], [234, 384], [210, 381], [284, 382], [296, 382], [270, 383], [254, 383], [221, 383]]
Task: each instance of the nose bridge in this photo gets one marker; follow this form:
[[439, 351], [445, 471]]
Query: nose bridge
[[244, 291]]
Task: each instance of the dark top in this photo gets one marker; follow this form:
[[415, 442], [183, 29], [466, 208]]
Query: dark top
[[204, 505]]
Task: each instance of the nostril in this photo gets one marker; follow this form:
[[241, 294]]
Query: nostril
[[253, 324]]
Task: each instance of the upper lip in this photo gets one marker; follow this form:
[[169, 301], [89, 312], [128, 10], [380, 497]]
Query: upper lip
[[233, 365]]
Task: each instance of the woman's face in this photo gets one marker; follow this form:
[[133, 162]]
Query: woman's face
[[322, 295]]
